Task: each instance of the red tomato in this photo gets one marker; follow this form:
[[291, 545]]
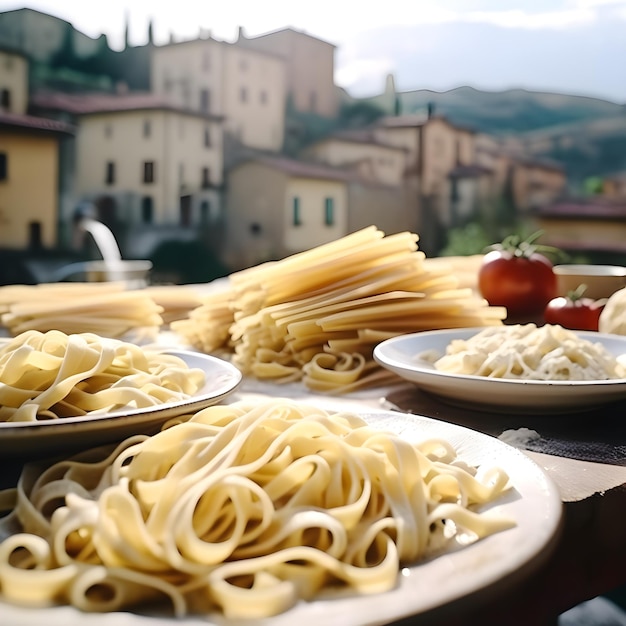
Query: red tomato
[[574, 312], [523, 283]]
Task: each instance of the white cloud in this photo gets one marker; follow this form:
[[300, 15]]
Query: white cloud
[[517, 18], [365, 75]]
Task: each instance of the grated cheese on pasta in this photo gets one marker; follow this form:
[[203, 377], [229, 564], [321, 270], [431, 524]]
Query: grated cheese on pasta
[[526, 351]]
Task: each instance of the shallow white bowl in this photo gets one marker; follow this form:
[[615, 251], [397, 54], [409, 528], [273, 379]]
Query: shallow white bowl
[[401, 355]]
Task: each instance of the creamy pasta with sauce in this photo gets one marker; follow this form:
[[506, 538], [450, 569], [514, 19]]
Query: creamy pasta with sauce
[[526, 351], [243, 510]]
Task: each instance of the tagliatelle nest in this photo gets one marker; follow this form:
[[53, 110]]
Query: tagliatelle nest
[[53, 375]]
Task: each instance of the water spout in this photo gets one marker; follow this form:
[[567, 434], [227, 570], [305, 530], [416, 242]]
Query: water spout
[[111, 268], [107, 245]]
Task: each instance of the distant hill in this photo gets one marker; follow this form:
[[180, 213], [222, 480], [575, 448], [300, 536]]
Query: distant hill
[[587, 135], [512, 111]]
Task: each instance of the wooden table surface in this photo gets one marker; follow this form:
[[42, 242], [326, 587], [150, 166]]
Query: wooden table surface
[[588, 466]]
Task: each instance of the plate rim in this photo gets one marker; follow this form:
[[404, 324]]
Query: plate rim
[[129, 413]]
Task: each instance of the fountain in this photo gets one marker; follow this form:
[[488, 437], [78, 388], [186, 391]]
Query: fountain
[[112, 267]]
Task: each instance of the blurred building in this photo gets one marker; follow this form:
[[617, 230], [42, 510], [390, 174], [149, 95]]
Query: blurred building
[[614, 186], [244, 86], [201, 151], [310, 68], [279, 206], [592, 227], [363, 152], [147, 165], [29, 162]]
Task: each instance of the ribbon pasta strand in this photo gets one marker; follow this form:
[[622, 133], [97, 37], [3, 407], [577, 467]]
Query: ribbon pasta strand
[[241, 509], [52, 375]]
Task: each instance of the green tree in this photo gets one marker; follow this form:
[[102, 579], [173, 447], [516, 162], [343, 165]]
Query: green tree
[[467, 240]]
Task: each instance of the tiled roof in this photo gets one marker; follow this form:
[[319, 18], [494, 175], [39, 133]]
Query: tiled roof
[[305, 169], [469, 171], [30, 122], [9, 49], [360, 136], [84, 104], [403, 121], [543, 163], [594, 208], [417, 120]]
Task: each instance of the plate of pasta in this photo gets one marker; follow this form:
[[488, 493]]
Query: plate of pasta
[[521, 368], [61, 392], [274, 512]]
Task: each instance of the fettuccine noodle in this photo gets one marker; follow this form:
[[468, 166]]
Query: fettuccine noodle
[[525, 351], [53, 375], [242, 509]]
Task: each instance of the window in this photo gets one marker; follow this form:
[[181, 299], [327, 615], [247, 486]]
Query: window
[[109, 177], [147, 128], [205, 212], [148, 171], [34, 235], [4, 166], [206, 177], [295, 210], [147, 210], [207, 137], [185, 210], [329, 211], [205, 100], [5, 99], [243, 94]]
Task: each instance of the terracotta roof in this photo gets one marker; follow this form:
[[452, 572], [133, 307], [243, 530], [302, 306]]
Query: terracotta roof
[[539, 163], [469, 171], [417, 120], [360, 136], [596, 208], [588, 245], [30, 122], [9, 49], [89, 103], [288, 29], [403, 121], [305, 169]]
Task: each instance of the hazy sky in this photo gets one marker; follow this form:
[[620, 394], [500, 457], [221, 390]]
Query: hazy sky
[[566, 46]]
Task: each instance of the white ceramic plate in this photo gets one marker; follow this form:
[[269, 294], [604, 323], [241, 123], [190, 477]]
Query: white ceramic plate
[[400, 355], [73, 433], [534, 503]]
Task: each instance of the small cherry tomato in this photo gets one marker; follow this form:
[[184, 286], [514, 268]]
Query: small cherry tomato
[[574, 312], [516, 275]]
